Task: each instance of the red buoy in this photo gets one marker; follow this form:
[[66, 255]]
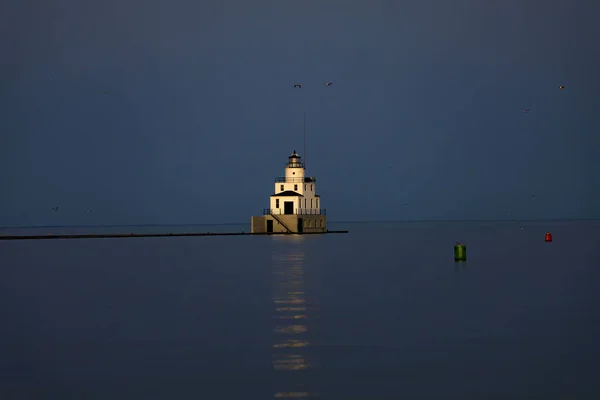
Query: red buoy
[[548, 237]]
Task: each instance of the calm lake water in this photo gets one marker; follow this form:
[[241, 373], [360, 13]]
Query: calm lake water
[[382, 312]]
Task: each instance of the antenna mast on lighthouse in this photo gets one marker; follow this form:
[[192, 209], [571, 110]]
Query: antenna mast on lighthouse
[[304, 140]]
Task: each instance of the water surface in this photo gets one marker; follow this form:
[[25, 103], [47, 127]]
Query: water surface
[[381, 312]]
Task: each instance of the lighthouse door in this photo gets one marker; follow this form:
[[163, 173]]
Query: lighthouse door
[[288, 207]]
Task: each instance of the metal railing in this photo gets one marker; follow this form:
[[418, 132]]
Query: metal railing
[[297, 211], [306, 179], [311, 211]]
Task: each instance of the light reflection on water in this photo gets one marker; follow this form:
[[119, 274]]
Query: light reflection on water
[[292, 360]]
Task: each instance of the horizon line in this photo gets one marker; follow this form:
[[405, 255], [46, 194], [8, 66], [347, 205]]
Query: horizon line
[[333, 222]]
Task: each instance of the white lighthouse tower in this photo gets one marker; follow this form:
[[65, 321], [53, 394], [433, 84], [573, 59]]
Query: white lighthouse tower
[[295, 206]]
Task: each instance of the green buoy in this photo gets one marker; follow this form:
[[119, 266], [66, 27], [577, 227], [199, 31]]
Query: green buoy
[[460, 252]]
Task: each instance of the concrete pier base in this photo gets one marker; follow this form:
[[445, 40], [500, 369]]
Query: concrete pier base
[[288, 223]]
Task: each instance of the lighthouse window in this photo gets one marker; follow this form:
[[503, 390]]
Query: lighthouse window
[[311, 187], [276, 203], [281, 188], [304, 203], [305, 188], [295, 187], [310, 203], [317, 201]]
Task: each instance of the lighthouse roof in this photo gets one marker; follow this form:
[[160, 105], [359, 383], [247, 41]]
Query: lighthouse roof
[[287, 193], [295, 155]]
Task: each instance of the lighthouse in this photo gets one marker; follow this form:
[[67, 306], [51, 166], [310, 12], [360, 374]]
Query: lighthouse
[[294, 206]]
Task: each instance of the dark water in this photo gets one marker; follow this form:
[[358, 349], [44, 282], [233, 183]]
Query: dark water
[[383, 312]]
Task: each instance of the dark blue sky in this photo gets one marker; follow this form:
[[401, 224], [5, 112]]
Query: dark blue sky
[[183, 111]]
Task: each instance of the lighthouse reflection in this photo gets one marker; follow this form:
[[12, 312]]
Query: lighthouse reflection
[[292, 358]]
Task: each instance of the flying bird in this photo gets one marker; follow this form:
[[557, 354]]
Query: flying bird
[[56, 208], [526, 110], [328, 83], [561, 87], [88, 210], [297, 85]]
